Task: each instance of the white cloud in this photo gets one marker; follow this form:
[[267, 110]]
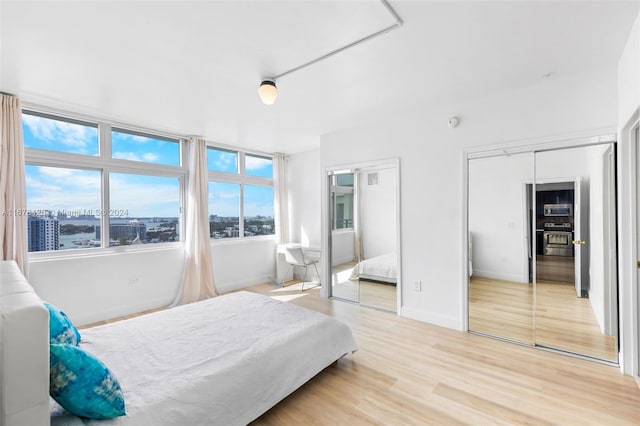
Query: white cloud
[[55, 172], [126, 156], [226, 161], [224, 195], [62, 135], [255, 163], [50, 188], [145, 198], [150, 157]]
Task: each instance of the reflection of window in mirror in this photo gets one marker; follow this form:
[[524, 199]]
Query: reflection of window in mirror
[[342, 201]]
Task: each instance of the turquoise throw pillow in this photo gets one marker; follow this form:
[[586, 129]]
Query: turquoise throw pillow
[[82, 384], [61, 329]]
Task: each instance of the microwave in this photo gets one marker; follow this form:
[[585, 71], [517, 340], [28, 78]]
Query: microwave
[[558, 210]]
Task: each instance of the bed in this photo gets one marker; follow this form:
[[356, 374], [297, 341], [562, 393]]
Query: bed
[[222, 361], [381, 268]]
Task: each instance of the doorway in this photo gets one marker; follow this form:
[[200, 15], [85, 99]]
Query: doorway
[[543, 248]]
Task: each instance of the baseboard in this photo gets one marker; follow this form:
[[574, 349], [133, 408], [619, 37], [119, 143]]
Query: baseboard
[[500, 276], [432, 318], [225, 287]]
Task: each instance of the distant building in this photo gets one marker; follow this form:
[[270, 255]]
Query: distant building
[[43, 233], [130, 231]]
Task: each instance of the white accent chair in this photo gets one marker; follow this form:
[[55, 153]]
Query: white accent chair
[[295, 256]]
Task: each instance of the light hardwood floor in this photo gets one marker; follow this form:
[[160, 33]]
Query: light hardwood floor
[[411, 373], [555, 269], [408, 372], [562, 320], [368, 293]]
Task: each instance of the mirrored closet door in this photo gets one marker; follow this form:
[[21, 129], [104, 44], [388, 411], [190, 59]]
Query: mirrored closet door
[[363, 236], [500, 287], [542, 249], [576, 281]]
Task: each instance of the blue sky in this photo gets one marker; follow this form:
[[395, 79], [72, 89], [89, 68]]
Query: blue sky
[[51, 188]]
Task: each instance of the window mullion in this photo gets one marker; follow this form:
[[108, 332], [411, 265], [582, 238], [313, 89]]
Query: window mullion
[[241, 164], [105, 238], [104, 140], [241, 215]]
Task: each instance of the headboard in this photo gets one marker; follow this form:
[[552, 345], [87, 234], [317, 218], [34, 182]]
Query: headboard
[[24, 351]]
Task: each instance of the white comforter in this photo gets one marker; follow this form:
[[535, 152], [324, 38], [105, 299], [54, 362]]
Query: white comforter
[[224, 361], [380, 268]]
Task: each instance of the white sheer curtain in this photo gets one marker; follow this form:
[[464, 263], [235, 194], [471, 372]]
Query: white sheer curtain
[[281, 208], [197, 278], [13, 198]]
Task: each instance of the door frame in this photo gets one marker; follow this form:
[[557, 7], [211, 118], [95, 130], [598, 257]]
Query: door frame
[[628, 216], [325, 290]]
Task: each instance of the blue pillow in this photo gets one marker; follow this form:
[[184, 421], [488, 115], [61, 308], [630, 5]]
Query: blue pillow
[[61, 329], [82, 384]]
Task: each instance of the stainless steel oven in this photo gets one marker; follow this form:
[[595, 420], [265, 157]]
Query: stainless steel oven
[[561, 210], [558, 243]]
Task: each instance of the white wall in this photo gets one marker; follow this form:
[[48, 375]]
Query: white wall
[[431, 170], [628, 104], [628, 80], [378, 213], [243, 263], [343, 247], [99, 287], [497, 216], [304, 183]]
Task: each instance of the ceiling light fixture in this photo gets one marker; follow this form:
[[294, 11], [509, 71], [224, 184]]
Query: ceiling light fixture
[[269, 92]]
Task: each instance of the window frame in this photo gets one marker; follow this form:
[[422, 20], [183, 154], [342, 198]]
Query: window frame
[[242, 179], [106, 164]]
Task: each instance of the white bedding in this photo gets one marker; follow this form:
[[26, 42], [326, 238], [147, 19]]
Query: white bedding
[[224, 361], [379, 268]]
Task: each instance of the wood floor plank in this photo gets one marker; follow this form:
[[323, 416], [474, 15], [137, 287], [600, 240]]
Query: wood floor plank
[[408, 372]]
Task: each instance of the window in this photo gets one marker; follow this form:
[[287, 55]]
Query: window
[[68, 171], [240, 194], [144, 209], [342, 201], [258, 210], [259, 166], [224, 210], [133, 146], [43, 131], [61, 204]]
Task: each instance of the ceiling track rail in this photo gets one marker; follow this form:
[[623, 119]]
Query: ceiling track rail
[[397, 24]]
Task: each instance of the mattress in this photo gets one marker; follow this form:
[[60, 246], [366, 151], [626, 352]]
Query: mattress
[[380, 268], [223, 361]]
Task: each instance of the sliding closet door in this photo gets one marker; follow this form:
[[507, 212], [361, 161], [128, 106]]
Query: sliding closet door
[[500, 249], [576, 283]]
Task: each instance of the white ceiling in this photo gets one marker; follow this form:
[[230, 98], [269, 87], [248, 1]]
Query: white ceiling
[[194, 67]]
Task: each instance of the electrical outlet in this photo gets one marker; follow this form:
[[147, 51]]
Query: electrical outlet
[[417, 286], [133, 280]]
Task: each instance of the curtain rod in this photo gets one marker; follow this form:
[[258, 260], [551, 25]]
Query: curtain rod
[[397, 24]]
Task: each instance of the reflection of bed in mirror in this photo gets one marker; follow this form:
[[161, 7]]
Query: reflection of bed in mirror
[[381, 268]]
